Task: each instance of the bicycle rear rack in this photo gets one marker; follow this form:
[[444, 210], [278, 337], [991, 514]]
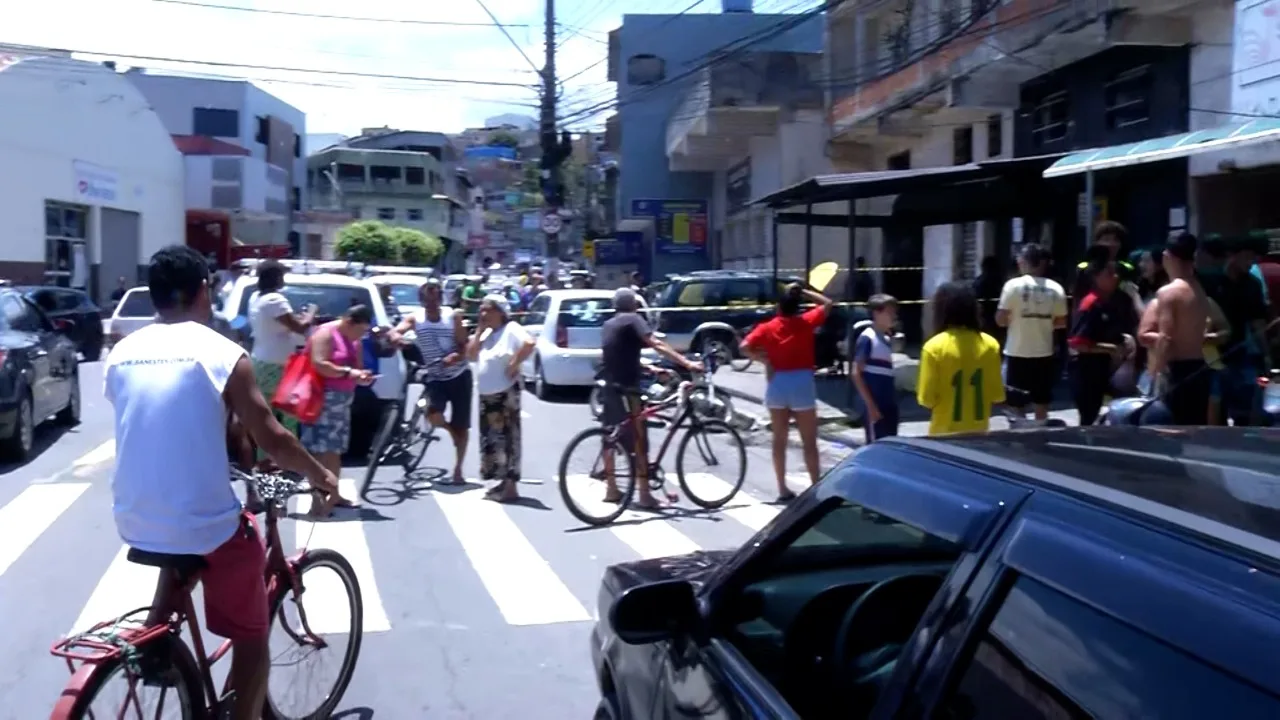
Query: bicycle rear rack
[[109, 640]]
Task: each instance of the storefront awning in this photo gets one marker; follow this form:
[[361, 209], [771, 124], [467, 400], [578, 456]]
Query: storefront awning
[[1168, 148]]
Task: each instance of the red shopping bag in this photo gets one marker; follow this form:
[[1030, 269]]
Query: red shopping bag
[[301, 390]]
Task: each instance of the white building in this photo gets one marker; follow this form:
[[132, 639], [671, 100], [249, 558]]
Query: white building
[[90, 183]]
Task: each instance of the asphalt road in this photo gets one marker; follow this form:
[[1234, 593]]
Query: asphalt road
[[471, 609]]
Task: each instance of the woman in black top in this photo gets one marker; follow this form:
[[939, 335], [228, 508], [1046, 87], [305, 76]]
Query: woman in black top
[[1101, 337]]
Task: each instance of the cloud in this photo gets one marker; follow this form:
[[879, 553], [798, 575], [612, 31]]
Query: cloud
[[333, 103]]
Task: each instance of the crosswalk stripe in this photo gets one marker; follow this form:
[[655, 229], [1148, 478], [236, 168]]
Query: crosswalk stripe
[[124, 587], [524, 587], [743, 508], [327, 611], [28, 515], [645, 532]]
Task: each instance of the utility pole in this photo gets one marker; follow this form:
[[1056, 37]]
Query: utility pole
[[556, 148]]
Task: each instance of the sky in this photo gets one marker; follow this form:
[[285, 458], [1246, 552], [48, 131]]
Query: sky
[[267, 46]]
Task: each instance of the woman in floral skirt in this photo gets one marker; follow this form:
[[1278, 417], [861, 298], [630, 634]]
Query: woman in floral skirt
[[497, 348]]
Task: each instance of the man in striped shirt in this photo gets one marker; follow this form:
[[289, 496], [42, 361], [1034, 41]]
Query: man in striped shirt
[[440, 337], [873, 369]]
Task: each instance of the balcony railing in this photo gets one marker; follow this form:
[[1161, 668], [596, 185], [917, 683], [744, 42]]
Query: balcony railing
[[235, 183], [732, 97], [910, 51]]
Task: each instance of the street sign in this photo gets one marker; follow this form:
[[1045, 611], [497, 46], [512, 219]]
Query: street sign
[[552, 223], [589, 250]]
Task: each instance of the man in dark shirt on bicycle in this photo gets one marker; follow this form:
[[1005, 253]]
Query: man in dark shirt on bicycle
[[625, 336]]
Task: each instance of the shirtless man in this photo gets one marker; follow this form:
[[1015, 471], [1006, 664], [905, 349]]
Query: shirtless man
[[1182, 313]]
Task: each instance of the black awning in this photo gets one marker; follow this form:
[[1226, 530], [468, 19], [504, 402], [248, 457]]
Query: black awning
[[879, 183]]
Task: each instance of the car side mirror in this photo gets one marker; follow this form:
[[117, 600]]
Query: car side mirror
[[654, 612]]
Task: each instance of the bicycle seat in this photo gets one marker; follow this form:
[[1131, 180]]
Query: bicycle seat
[[183, 564]]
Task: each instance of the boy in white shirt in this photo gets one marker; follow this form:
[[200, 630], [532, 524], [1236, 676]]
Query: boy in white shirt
[[1032, 307]]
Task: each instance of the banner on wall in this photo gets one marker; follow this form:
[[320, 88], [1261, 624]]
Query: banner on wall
[[680, 225]]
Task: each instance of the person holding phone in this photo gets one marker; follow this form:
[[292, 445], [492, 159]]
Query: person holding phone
[[277, 330], [337, 356]]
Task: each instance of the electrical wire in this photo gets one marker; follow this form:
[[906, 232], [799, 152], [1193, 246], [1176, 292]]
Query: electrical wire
[[276, 68], [514, 44], [324, 16]]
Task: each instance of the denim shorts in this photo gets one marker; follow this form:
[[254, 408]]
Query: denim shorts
[[791, 390]]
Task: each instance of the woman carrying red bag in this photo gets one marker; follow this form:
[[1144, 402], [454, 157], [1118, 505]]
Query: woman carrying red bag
[[337, 357]]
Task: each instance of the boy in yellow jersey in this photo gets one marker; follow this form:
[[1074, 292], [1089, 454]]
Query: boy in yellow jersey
[[959, 379]]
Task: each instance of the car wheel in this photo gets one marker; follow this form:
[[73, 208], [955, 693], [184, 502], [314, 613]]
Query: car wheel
[[70, 415], [18, 445]]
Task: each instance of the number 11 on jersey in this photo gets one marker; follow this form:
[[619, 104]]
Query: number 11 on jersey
[[959, 384]]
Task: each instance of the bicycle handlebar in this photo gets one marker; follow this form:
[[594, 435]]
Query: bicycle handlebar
[[273, 487]]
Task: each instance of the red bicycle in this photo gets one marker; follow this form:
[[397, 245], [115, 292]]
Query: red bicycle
[[148, 654]]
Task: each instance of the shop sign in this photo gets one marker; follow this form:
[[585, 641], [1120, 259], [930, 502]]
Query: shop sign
[[1254, 55], [95, 184], [680, 225], [737, 190]]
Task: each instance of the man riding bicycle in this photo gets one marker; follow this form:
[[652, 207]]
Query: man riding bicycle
[[172, 385], [625, 336]]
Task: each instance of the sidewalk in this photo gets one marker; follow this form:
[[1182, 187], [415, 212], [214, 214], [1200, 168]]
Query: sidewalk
[[839, 415]]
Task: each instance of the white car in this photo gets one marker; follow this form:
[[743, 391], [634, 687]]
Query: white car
[[566, 324], [333, 294], [132, 313], [404, 290]]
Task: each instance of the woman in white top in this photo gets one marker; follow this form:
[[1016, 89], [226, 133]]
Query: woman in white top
[[497, 348], [276, 331]]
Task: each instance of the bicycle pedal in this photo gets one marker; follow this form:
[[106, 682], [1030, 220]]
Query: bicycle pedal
[[226, 706]]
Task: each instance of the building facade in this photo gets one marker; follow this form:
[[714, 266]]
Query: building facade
[[91, 184], [926, 84], [658, 63]]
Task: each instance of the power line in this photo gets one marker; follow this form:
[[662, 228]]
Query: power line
[[324, 16], [277, 68], [503, 30]]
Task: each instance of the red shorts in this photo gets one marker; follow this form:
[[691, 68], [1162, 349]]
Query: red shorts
[[235, 588]]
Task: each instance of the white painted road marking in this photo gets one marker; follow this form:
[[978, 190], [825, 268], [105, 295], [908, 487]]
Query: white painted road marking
[[743, 508], [29, 514], [123, 588], [104, 452], [645, 532], [524, 587], [326, 599]]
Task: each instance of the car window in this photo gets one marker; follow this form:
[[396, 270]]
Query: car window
[[694, 294], [404, 294], [136, 304], [585, 312], [849, 529], [742, 292], [1045, 655], [538, 311], [19, 315], [46, 300], [70, 300]]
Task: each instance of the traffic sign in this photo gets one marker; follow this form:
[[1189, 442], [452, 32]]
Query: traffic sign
[[552, 223]]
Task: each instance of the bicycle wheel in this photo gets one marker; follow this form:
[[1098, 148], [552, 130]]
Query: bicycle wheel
[[378, 451], [172, 679], [718, 445], [588, 481], [354, 632], [417, 439]]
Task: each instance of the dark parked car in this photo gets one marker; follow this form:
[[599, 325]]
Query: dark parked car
[[1072, 573], [74, 313], [39, 374]]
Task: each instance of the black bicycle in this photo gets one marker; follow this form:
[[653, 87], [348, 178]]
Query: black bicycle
[[399, 438], [715, 442]]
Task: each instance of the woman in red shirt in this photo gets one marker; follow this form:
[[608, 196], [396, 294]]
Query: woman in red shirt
[[784, 345]]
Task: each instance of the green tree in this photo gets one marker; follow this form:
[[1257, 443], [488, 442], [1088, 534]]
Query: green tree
[[416, 247], [367, 241], [504, 139]]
